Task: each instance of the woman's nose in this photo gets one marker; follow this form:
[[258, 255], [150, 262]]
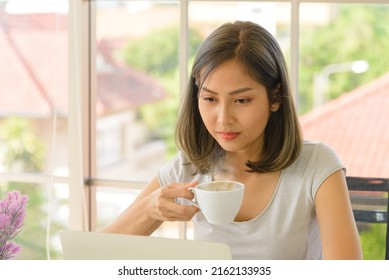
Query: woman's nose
[[225, 116]]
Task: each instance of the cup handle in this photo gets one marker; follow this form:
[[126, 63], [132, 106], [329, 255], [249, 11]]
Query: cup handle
[[193, 202]]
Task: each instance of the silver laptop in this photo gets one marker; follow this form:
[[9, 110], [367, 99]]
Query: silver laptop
[[82, 245]]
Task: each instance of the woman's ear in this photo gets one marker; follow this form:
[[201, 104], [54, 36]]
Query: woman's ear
[[276, 99], [274, 107]]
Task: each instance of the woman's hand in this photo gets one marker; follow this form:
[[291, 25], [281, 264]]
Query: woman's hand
[[153, 206], [162, 204]]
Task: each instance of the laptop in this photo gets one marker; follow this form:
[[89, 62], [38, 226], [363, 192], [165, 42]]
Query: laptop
[[83, 245]]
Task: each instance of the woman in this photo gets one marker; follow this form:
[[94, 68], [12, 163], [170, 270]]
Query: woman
[[237, 122]]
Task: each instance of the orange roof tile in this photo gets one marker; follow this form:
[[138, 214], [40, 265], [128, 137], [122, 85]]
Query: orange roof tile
[[356, 126], [33, 70]]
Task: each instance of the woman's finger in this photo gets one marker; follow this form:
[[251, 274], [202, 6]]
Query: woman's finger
[[170, 210], [178, 190]]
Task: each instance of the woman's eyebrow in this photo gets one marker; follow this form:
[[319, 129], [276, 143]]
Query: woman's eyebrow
[[240, 90]]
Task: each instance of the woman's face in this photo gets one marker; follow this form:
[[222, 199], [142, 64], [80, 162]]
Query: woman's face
[[235, 109]]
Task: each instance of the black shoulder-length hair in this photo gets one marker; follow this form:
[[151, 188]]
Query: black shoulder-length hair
[[259, 53]]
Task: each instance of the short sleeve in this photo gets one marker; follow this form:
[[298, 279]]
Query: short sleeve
[[171, 171], [322, 163]]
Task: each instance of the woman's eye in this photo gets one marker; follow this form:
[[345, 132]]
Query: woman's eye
[[242, 100], [209, 99]]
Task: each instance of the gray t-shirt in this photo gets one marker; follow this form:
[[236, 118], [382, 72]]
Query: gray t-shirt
[[287, 228]]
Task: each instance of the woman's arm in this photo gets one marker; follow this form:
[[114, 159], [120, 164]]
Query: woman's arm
[[339, 234], [153, 206]]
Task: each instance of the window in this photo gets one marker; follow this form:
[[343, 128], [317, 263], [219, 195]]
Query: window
[[101, 113], [33, 119]]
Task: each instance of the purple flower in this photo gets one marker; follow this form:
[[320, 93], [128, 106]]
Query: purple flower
[[9, 250], [12, 214]]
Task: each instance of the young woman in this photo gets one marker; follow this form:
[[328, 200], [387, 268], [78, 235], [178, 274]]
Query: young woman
[[238, 122]]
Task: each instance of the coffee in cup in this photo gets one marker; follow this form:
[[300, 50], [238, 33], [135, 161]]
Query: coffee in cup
[[219, 201]]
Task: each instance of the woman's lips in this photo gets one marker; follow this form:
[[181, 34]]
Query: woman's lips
[[228, 135]]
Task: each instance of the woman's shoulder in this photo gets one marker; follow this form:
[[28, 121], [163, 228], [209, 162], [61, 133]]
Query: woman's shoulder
[[178, 159], [318, 151], [177, 163], [315, 157], [316, 162]]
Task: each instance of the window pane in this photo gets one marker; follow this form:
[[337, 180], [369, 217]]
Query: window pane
[[110, 202], [38, 223], [137, 92], [344, 82], [33, 116], [33, 93], [137, 87]]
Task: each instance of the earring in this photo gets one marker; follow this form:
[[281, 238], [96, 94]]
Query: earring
[[274, 109]]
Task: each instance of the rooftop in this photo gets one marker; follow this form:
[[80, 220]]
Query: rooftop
[[356, 126], [35, 79]]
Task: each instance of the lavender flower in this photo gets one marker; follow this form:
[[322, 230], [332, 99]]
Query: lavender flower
[[12, 213]]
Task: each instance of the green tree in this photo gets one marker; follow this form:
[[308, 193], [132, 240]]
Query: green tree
[[22, 149], [373, 242], [356, 32], [157, 54]]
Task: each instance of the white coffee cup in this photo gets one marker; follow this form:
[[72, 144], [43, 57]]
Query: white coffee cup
[[219, 201]]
